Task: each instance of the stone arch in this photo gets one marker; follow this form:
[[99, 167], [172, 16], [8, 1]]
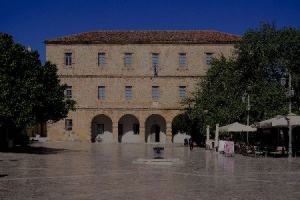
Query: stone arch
[[155, 129], [101, 129], [128, 129], [177, 135]]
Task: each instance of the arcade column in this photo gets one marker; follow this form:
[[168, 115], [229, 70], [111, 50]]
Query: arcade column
[[115, 131], [169, 132], [142, 132]]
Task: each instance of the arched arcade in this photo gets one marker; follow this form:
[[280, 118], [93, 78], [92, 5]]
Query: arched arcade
[[155, 129], [128, 129], [101, 129]]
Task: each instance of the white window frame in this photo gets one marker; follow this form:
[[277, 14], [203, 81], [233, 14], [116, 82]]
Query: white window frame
[[101, 59], [69, 124], [128, 60], [155, 93], [182, 92], [155, 59], [182, 59], [128, 93], [209, 57], [69, 92], [101, 92], [68, 59]]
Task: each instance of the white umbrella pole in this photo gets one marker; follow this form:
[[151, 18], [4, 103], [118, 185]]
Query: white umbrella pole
[[207, 134], [248, 109], [217, 135]]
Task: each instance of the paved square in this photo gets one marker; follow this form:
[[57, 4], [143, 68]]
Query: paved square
[[63, 170]]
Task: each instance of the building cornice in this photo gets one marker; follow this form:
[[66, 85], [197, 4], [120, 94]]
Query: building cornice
[[133, 76], [124, 108]]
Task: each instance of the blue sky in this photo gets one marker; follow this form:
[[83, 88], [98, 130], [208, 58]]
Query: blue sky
[[31, 22]]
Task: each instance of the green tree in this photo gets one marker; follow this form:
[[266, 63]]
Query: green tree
[[52, 106], [29, 92], [259, 61]]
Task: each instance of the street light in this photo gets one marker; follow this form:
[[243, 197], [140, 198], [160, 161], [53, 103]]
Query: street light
[[246, 95], [289, 93]]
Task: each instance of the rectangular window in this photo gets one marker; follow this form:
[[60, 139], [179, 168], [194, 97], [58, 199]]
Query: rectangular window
[[69, 92], [182, 61], [100, 129], [128, 92], [69, 124], [101, 60], [155, 60], [128, 59], [182, 92], [101, 92], [68, 59], [208, 59], [136, 129], [155, 92]]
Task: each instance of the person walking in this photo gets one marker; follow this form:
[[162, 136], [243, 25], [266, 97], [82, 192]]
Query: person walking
[[186, 142], [191, 143]]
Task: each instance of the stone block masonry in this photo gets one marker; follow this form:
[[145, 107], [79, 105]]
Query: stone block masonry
[[121, 100]]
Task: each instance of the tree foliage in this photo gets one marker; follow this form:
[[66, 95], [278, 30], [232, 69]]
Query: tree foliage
[[259, 61], [29, 92], [53, 105]]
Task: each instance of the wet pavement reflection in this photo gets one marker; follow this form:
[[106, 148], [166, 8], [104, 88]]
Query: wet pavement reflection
[[65, 170]]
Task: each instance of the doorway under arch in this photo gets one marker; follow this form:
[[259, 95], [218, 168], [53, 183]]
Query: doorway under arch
[[128, 129], [155, 128], [101, 129]]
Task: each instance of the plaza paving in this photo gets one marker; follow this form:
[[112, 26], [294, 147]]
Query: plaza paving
[[62, 170]]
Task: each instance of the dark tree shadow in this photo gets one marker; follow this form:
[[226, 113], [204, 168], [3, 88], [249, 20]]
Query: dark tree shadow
[[34, 150], [43, 150]]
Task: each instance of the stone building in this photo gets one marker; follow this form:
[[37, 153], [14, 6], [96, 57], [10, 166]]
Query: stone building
[[128, 85]]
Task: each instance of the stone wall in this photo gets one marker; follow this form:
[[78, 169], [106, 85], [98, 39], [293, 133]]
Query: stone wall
[[85, 76], [85, 59]]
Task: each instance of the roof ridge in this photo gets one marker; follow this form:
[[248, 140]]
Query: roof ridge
[[146, 36]]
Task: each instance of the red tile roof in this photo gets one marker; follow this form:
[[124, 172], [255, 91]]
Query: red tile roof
[[147, 37]]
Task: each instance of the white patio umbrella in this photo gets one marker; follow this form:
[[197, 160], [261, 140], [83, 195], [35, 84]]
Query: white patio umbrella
[[237, 127], [283, 121], [280, 121], [268, 123]]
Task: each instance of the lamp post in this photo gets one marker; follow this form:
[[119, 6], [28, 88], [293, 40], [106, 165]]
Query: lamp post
[[246, 95], [289, 93]]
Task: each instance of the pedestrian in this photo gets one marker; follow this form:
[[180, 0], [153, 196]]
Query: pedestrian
[[186, 142], [191, 143]]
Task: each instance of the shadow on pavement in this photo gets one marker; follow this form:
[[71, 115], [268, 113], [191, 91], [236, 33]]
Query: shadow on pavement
[[34, 150]]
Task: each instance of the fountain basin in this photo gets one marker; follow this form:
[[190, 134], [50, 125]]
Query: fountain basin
[[171, 161]]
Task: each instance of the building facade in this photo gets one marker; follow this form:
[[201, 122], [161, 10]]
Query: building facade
[[129, 85]]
